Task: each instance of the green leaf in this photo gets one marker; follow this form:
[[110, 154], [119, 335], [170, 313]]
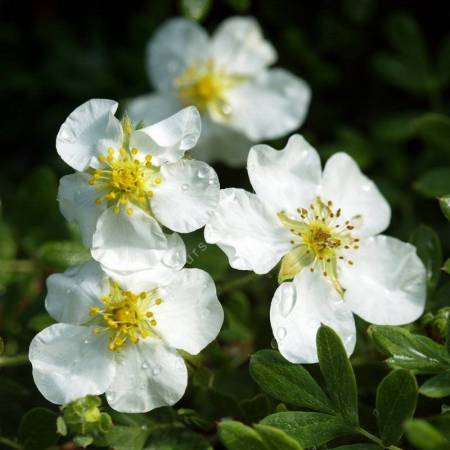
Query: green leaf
[[237, 436], [407, 67], [358, 447], [338, 374], [83, 441], [37, 429], [410, 351], [276, 439], [171, 438], [437, 386], [195, 9], [430, 252], [63, 254], [424, 436], [309, 428], [446, 266], [287, 382], [444, 203], [8, 246], [127, 438], [396, 403], [435, 129], [434, 183], [61, 426]]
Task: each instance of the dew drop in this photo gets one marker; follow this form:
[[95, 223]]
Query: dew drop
[[144, 365], [156, 370], [86, 341], [281, 333], [212, 181], [184, 187], [203, 172], [171, 259], [288, 298]]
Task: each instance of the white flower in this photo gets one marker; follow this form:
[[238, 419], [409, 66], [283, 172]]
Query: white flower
[[324, 227], [129, 182], [122, 339], [228, 79]]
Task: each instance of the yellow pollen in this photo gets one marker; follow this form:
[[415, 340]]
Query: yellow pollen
[[205, 85], [321, 239], [125, 316], [124, 179]]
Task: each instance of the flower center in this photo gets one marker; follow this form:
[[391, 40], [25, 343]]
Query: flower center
[[320, 239], [204, 85], [125, 178], [126, 316]]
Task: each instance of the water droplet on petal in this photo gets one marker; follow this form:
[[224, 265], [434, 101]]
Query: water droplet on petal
[[156, 371], [288, 298], [184, 187], [212, 181], [86, 341], [203, 172], [281, 333], [144, 365], [171, 259]]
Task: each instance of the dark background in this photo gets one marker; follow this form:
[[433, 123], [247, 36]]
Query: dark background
[[375, 68]]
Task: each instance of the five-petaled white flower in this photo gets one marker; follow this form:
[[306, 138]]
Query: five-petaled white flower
[[324, 227], [122, 338], [227, 78], [130, 181]]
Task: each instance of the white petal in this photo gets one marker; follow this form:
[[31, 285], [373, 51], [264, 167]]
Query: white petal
[[72, 293], [168, 140], [249, 234], [270, 105], [299, 308], [190, 316], [88, 132], [239, 46], [285, 179], [170, 261], [187, 196], [152, 108], [386, 285], [69, 362], [77, 204], [148, 375], [221, 143], [355, 194], [176, 45], [126, 243]]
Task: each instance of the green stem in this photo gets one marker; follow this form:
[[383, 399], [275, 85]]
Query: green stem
[[237, 283], [373, 438], [16, 360], [10, 443]]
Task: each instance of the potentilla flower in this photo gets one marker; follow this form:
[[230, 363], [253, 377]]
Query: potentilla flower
[[122, 339], [324, 227], [130, 181], [228, 79]]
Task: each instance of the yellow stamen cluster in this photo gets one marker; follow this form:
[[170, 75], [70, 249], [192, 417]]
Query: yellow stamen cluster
[[320, 238], [204, 85], [126, 316], [125, 179]]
